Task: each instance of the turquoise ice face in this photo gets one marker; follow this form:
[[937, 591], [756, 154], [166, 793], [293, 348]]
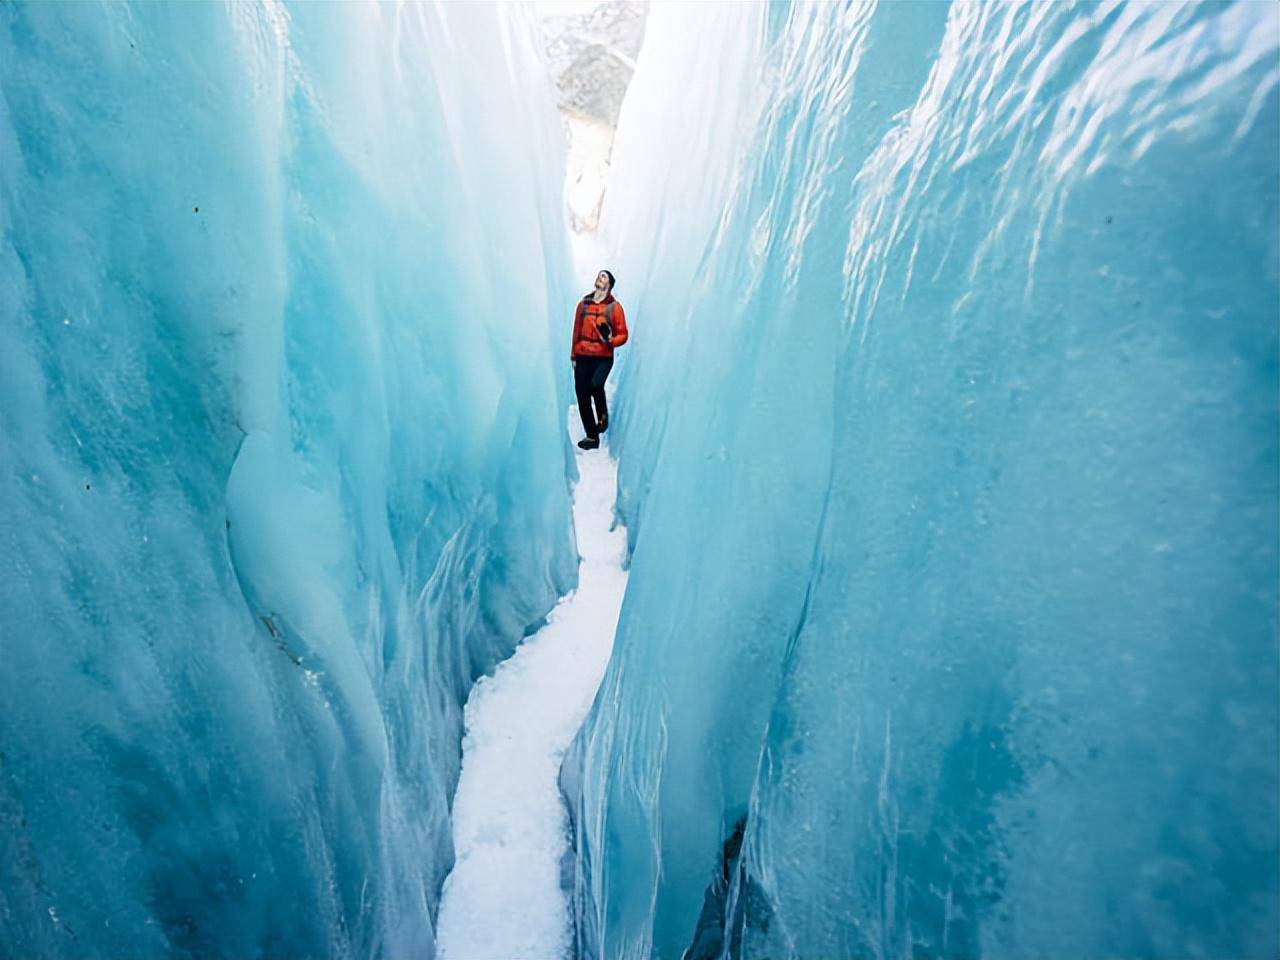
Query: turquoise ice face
[[283, 471], [948, 456]]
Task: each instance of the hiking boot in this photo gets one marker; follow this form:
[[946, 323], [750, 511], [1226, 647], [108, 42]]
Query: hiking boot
[[588, 443], [603, 423]]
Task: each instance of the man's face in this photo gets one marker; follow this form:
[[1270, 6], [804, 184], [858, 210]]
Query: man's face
[[602, 282]]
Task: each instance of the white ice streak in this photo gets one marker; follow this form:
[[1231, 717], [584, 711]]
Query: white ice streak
[[510, 826]]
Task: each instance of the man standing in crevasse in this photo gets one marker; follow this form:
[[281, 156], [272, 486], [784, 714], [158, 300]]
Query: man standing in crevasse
[[599, 326]]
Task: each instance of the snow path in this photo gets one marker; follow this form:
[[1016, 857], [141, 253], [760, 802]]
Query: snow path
[[510, 828]]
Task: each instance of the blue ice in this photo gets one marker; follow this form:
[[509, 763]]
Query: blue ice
[[283, 463], [948, 460], [948, 456]]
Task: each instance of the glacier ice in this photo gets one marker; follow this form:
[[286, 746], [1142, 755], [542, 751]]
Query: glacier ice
[[283, 459], [948, 456]]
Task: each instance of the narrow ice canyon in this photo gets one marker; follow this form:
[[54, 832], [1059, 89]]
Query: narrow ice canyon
[[934, 612]]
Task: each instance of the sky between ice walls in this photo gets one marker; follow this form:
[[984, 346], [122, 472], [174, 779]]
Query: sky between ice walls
[[949, 460], [283, 459]]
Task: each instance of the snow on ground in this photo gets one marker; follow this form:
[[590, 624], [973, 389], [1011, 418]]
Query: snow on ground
[[510, 827]]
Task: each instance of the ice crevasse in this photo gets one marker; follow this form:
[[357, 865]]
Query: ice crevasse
[[947, 439], [948, 454], [283, 463]]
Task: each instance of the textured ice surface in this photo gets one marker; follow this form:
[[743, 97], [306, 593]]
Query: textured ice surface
[[947, 441], [283, 465], [504, 899]]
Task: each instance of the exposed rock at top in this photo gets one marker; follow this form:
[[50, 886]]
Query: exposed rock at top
[[592, 56]]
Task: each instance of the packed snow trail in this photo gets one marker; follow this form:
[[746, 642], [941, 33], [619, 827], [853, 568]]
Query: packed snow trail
[[510, 826]]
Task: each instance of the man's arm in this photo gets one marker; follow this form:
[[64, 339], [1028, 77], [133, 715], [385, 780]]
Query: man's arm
[[573, 333], [619, 326]]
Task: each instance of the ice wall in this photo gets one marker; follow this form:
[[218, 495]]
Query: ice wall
[[283, 459], [949, 458]]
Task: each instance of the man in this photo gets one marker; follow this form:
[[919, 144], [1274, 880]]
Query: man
[[599, 326]]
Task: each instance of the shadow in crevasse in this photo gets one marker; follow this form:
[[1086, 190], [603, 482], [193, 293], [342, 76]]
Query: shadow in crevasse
[[959, 853], [732, 903]]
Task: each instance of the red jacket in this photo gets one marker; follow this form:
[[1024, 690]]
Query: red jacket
[[586, 336]]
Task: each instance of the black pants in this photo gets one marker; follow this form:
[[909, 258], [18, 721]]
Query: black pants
[[589, 375]]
